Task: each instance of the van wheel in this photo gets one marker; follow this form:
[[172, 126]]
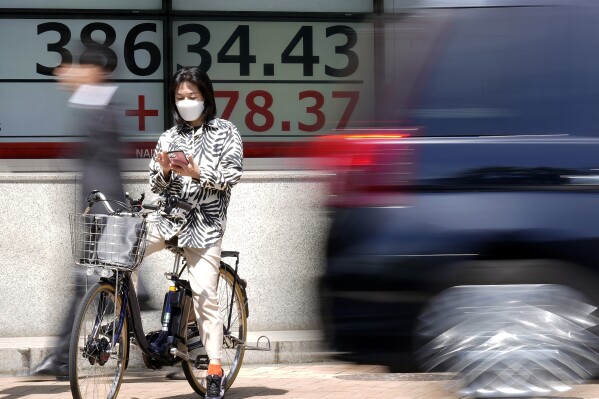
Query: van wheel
[[509, 339]]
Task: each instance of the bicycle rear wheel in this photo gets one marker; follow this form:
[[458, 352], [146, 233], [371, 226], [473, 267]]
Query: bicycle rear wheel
[[96, 363], [234, 336]]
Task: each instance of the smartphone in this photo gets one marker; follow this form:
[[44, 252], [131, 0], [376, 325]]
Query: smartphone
[[178, 156]]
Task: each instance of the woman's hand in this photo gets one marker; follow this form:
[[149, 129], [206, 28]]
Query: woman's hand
[[191, 169], [164, 162]]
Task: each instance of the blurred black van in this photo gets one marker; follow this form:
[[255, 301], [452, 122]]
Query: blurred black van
[[465, 222]]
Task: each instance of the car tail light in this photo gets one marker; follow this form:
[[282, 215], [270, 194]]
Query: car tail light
[[366, 169]]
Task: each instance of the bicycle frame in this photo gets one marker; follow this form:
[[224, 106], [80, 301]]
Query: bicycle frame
[[124, 287], [178, 341], [233, 254]]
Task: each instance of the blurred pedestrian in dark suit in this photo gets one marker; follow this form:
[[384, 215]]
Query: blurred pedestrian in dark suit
[[95, 116]]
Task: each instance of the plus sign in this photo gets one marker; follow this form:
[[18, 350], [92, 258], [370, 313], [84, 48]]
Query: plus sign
[[141, 112]]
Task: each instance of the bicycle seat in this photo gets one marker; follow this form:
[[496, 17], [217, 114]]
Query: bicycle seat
[[172, 242]]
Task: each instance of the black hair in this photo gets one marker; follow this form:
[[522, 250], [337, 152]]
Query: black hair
[[199, 78], [93, 53]]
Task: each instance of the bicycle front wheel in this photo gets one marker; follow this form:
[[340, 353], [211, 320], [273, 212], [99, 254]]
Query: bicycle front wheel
[[96, 361], [234, 335]]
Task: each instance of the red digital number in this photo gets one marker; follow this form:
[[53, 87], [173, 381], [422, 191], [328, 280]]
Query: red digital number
[[351, 105], [314, 109], [262, 108], [254, 108], [233, 97]]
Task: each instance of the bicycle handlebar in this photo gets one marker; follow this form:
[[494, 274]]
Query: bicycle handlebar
[[174, 202], [97, 196], [166, 203], [151, 207]]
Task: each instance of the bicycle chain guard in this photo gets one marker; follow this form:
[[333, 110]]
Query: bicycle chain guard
[[151, 362]]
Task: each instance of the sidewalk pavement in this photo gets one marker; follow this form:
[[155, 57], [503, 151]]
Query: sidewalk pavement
[[287, 376], [278, 381], [281, 381], [17, 355]]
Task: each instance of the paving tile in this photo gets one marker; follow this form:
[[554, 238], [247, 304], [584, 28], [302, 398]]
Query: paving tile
[[293, 381]]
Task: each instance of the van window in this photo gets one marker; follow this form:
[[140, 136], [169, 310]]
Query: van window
[[497, 71]]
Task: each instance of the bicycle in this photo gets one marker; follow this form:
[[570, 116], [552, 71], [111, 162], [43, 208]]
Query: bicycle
[[112, 246]]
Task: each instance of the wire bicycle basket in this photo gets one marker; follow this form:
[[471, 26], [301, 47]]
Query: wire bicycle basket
[[113, 242]]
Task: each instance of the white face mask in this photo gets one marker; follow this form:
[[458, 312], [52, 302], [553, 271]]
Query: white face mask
[[190, 110]]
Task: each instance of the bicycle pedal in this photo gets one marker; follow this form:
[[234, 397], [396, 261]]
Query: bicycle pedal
[[202, 362]]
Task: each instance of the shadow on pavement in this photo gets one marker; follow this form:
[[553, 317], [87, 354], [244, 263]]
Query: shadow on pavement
[[48, 386], [239, 393], [31, 389], [252, 392]]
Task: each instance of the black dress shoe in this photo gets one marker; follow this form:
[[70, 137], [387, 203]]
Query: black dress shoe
[[50, 367]]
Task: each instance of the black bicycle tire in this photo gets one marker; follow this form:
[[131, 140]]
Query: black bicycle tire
[[241, 302], [74, 344]]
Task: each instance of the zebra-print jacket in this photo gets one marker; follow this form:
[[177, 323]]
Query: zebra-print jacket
[[217, 148]]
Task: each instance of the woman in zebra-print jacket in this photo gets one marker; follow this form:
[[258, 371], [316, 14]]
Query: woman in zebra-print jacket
[[212, 164]]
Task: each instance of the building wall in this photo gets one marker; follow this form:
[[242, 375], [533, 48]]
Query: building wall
[[275, 221]]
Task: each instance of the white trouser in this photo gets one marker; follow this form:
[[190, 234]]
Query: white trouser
[[203, 266]]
